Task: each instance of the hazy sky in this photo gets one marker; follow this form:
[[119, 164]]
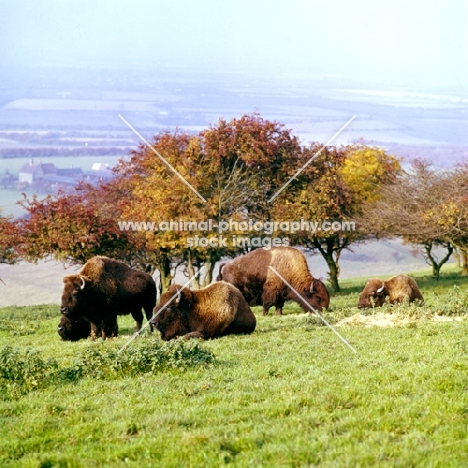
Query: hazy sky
[[412, 39]]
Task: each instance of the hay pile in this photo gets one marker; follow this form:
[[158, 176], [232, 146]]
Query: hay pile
[[382, 319]]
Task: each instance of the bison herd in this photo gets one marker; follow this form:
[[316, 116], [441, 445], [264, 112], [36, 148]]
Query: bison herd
[[106, 288]]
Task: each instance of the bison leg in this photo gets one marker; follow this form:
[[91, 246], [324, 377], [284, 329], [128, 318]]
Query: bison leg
[[96, 331], [110, 328], [138, 317], [194, 334], [279, 307], [149, 314], [272, 297], [269, 297]]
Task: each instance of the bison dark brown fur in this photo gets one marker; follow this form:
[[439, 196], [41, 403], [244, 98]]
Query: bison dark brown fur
[[211, 312], [262, 286], [397, 289], [105, 288], [73, 330]]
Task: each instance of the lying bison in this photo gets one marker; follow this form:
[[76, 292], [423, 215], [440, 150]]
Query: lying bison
[[105, 288], [397, 288], [217, 310], [260, 285]]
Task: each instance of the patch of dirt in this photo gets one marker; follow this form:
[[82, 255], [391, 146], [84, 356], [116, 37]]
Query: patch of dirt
[[382, 319]]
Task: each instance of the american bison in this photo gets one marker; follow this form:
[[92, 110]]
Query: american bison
[[105, 288], [262, 286], [397, 288], [211, 312], [74, 330]]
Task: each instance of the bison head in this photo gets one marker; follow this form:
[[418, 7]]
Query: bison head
[[74, 295], [170, 315], [373, 290], [316, 296], [73, 329]]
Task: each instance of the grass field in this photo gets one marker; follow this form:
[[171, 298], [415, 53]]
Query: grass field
[[289, 395]]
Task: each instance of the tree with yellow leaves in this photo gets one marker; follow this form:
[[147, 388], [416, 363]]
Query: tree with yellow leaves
[[334, 190]]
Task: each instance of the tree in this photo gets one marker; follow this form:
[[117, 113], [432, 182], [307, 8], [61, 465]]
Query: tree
[[71, 227], [335, 188], [229, 171], [453, 213], [411, 208], [8, 240]]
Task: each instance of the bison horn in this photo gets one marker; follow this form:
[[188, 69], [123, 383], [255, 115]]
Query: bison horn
[[83, 282], [381, 288]]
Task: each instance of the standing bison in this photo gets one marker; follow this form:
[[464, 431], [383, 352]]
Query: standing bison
[[262, 286], [105, 288], [397, 288], [211, 312]]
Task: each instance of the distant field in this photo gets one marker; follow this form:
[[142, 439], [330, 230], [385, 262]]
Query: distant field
[[85, 162], [9, 197], [80, 105]]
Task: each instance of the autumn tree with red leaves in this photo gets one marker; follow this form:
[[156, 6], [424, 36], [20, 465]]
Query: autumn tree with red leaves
[[9, 236], [72, 227], [228, 171]]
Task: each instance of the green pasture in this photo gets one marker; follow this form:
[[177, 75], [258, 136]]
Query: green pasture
[[289, 395]]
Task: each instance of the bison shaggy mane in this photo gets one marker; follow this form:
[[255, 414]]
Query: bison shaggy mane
[[105, 288], [260, 285]]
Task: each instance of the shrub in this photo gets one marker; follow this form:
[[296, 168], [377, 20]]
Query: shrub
[[23, 371], [147, 355], [453, 302]]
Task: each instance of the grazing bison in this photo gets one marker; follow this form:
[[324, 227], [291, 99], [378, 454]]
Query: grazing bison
[[397, 288], [105, 288], [211, 312], [262, 286], [73, 330]]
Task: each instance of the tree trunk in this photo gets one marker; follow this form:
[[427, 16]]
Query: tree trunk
[[333, 273], [436, 266], [165, 277], [208, 273], [212, 258], [191, 269], [464, 257], [328, 255]]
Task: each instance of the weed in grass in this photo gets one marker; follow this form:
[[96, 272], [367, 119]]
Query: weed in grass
[[147, 356], [21, 371], [17, 328], [453, 302], [25, 370]]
